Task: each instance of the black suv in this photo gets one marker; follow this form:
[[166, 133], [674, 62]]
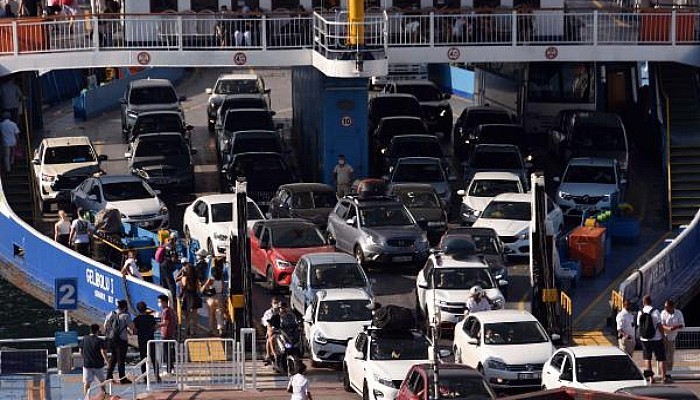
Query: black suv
[[243, 119], [247, 141], [158, 122], [164, 160], [148, 95], [392, 105], [437, 111], [264, 172], [402, 146], [464, 131]]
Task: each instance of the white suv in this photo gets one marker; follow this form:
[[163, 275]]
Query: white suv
[[483, 187], [61, 164], [589, 184], [444, 284], [232, 84], [377, 361]]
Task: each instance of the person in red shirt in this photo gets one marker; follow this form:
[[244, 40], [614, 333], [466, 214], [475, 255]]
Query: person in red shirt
[[168, 330]]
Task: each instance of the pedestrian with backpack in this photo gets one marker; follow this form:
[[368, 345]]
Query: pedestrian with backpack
[[118, 324], [80, 233], [651, 335]]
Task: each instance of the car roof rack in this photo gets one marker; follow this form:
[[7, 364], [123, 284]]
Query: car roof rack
[[358, 198]]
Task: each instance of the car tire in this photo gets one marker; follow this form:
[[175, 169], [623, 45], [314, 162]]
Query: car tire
[[346, 379], [360, 257], [270, 278], [365, 392]]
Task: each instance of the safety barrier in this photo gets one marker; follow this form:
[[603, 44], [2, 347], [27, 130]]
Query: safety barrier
[[672, 273], [566, 307], [616, 301]]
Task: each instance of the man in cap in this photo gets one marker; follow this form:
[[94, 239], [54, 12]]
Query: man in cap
[[477, 300]]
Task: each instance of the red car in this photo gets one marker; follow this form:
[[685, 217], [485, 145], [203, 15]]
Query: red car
[[277, 244], [457, 381]]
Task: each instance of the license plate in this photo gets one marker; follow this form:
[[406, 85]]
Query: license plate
[[401, 259], [529, 375]]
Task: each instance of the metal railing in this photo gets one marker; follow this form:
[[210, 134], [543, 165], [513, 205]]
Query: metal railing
[[566, 306], [178, 32]]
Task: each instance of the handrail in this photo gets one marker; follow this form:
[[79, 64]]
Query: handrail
[[102, 385], [616, 300]]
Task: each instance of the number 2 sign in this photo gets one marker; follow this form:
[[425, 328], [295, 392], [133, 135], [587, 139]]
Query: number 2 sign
[[66, 292]]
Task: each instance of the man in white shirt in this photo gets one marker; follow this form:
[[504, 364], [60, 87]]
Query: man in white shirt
[[267, 316], [9, 132], [131, 266], [625, 329], [672, 321], [477, 301], [651, 343]]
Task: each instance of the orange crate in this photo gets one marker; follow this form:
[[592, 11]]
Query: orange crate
[[587, 245]]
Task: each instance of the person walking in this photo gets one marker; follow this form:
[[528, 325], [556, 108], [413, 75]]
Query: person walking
[[342, 175], [168, 330], [11, 97], [145, 324], [10, 134], [61, 229], [672, 321], [131, 265], [80, 233], [651, 335], [213, 291], [94, 352], [201, 266], [298, 384], [625, 329], [191, 301], [167, 272], [117, 326]]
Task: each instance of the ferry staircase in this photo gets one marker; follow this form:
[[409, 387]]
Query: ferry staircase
[[680, 88], [19, 192]]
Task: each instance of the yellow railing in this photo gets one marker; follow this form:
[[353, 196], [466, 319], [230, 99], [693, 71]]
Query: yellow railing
[[616, 300], [566, 307]]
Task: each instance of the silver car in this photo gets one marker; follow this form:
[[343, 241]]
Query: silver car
[[377, 230], [423, 170]]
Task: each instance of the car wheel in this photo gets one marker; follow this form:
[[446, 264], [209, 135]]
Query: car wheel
[[270, 276], [346, 378], [360, 257], [365, 392]]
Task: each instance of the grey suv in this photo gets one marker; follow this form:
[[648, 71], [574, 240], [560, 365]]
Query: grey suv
[[377, 230], [148, 95]]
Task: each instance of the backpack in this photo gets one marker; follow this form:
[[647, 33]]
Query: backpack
[[647, 329], [81, 228], [113, 330]]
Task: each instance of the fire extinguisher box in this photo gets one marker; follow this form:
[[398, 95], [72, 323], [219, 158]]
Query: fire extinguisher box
[[587, 245]]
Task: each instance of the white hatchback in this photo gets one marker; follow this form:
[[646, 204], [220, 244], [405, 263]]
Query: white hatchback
[[509, 347], [483, 187], [599, 368]]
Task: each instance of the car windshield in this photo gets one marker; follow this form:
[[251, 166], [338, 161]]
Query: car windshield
[[597, 137], [475, 119], [513, 210], [395, 107], [606, 368], [418, 172], [161, 148], [236, 86], [344, 311], [232, 104], [496, 160], [402, 126], [248, 121], [121, 191], [158, 123], [506, 333], [493, 187], [486, 244], [385, 349], [337, 276], [153, 95], [388, 215], [463, 278], [248, 144], [419, 199], [261, 168], [311, 200], [457, 387], [69, 154], [603, 175], [297, 236], [223, 212], [416, 148], [422, 92]]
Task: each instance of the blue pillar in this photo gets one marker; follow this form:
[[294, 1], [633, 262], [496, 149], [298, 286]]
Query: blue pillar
[[330, 118]]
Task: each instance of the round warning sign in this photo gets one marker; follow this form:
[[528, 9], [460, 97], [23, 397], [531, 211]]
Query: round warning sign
[[240, 58], [143, 58], [346, 121], [551, 53], [453, 53]]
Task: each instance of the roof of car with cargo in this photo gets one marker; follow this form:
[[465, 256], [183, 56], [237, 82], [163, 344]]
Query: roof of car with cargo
[[307, 187], [150, 83], [334, 257], [343, 294], [411, 187], [237, 77], [66, 141]]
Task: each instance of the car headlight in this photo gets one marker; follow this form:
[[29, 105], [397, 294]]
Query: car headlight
[[372, 240], [284, 264], [163, 210], [383, 381], [496, 364], [132, 114], [319, 338], [524, 234], [565, 195], [220, 237], [497, 303], [137, 171], [47, 178]]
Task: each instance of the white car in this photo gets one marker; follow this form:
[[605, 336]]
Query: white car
[[509, 214], [508, 347], [210, 220], [589, 184], [444, 282], [599, 368], [376, 362], [135, 200], [231, 84], [334, 317], [61, 164], [482, 189]]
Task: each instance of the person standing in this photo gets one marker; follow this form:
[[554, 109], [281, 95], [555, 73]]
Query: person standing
[[477, 301], [61, 229], [672, 321], [201, 266], [145, 324], [131, 266], [651, 336], [298, 384], [343, 176], [80, 233], [625, 329], [94, 352], [191, 301], [213, 291], [117, 326], [167, 272], [10, 134], [267, 316], [168, 330], [11, 97]]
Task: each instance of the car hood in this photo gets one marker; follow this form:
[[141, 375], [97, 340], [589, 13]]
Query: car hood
[[139, 207], [293, 254], [162, 163], [73, 169], [612, 386], [341, 330], [154, 107], [532, 353], [318, 216], [388, 232], [429, 214], [587, 189], [503, 227], [434, 104], [462, 295], [395, 370], [477, 203], [224, 228]]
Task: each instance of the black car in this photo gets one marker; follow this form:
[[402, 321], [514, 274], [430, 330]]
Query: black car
[[424, 204], [244, 119], [164, 160], [437, 111], [310, 201], [238, 101], [503, 134], [392, 105], [388, 128], [264, 173], [247, 141], [414, 146], [464, 131], [158, 122]]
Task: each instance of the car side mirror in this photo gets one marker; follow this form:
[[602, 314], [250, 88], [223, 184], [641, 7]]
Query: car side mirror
[[503, 282], [360, 356], [102, 157], [127, 154], [267, 91], [556, 338], [556, 179], [461, 192], [122, 101], [272, 113], [423, 285], [157, 192], [189, 127], [331, 241], [36, 161], [566, 376], [473, 341], [443, 353], [447, 96], [208, 90], [193, 151]]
